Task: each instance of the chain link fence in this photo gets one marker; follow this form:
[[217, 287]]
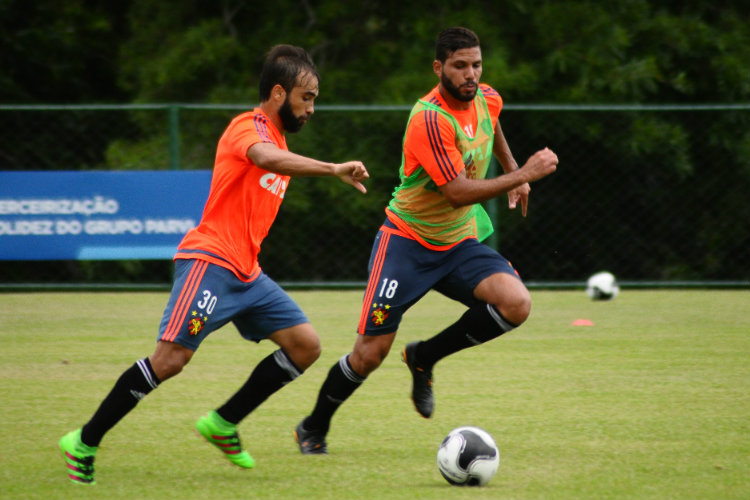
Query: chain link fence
[[658, 195]]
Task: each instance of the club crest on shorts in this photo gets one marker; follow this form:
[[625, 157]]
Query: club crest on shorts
[[379, 313], [196, 323]]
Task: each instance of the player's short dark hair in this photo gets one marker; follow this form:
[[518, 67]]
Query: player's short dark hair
[[284, 64], [451, 39]]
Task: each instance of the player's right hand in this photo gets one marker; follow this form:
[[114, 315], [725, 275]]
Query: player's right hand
[[353, 173]]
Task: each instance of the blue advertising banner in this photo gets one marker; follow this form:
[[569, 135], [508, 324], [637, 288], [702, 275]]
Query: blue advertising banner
[[98, 215]]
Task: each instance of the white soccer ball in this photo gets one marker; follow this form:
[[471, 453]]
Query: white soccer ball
[[468, 456], [602, 286]]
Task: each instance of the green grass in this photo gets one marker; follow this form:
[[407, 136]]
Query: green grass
[[652, 402]]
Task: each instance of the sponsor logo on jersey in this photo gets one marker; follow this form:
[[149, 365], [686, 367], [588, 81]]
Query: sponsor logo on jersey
[[274, 183]]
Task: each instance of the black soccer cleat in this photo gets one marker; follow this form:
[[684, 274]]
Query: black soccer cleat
[[421, 389], [310, 442]]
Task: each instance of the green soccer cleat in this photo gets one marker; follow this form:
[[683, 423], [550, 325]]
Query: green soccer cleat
[[78, 457], [223, 435]]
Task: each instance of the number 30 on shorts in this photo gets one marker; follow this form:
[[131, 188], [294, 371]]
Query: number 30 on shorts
[[208, 302]]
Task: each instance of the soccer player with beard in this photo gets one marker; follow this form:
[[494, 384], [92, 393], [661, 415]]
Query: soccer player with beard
[[217, 275], [431, 237]]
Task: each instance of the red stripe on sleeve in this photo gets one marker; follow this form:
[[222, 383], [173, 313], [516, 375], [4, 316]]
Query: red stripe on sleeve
[[262, 127]]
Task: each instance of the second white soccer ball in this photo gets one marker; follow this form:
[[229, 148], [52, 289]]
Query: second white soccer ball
[[602, 286], [468, 456]]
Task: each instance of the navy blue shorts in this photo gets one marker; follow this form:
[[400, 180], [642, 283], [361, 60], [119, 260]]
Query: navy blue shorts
[[402, 271], [205, 297]]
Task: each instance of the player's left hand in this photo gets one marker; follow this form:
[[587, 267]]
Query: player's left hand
[[353, 173], [519, 194]]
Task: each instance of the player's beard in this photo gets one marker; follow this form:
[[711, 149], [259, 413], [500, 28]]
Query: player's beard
[[456, 91], [290, 122]]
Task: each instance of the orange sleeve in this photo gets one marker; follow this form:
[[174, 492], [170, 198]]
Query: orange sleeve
[[248, 132], [494, 101], [431, 143]]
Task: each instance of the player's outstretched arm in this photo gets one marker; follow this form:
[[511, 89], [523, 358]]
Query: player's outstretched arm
[[269, 157], [463, 191]]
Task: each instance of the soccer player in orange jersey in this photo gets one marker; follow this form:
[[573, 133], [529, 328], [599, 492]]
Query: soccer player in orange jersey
[[431, 238], [217, 275]]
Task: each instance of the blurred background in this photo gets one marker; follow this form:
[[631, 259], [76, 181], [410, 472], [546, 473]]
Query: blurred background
[[646, 103]]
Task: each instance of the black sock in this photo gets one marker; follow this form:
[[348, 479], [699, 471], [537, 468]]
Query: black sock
[[341, 383], [480, 323], [131, 387], [271, 374]]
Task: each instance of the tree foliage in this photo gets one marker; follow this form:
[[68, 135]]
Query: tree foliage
[[380, 52], [374, 51]]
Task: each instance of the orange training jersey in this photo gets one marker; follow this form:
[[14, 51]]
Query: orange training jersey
[[439, 143], [243, 201], [431, 143]]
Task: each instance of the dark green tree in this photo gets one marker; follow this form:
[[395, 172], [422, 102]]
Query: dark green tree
[[663, 166]]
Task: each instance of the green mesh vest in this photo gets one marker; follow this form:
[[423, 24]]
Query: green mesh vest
[[418, 200]]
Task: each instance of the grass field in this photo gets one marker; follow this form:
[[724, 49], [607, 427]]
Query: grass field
[[652, 402]]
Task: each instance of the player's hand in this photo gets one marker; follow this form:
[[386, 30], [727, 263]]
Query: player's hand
[[541, 164], [519, 194], [353, 173]]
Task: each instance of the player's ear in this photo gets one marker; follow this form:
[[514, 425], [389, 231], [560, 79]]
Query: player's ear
[[437, 67], [278, 94]]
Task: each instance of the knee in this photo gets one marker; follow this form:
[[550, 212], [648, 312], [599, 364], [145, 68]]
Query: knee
[[508, 294], [517, 308], [315, 351], [168, 365], [306, 352], [366, 361]]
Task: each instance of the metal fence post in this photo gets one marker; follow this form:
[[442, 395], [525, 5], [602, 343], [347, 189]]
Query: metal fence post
[[174, 137], [491, 207]]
